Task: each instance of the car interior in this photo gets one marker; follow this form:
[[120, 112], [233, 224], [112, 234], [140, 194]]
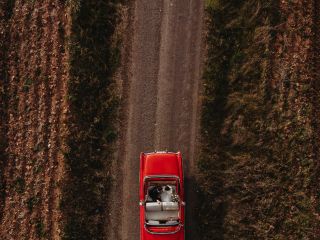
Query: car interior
[[162, 203]]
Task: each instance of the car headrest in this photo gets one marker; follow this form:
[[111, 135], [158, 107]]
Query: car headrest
[[153, 206], [170, 206]]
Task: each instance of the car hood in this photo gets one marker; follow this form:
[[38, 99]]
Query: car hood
[[153, 165]]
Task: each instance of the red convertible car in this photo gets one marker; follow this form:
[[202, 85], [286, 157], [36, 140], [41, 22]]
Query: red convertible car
[[161, 196]]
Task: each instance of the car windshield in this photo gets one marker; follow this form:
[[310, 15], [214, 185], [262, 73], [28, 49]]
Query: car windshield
[[161, 202]]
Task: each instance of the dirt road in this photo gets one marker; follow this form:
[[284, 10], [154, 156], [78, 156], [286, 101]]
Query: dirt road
[[162, 103]]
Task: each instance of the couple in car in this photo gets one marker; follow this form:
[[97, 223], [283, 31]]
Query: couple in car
[[156, 193]]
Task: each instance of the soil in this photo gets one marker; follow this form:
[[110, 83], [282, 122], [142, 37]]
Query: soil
[[162, 106], [37, 76]]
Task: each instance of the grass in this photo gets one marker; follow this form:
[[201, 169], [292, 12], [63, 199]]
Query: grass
[[256, 163], [93, 106]]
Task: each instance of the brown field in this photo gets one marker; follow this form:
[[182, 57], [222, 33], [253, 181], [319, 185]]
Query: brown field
[[58, 105], [35, 84], [260, 121]]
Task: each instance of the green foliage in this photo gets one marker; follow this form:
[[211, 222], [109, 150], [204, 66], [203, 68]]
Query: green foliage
[[19, 185], [27, 84], [31, 1], [74, 5], [40, 229], [31, 202], [256, 162], [213, 4], [93, 107]]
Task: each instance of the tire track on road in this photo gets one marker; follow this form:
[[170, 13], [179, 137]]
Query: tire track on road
[[141, 119]]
